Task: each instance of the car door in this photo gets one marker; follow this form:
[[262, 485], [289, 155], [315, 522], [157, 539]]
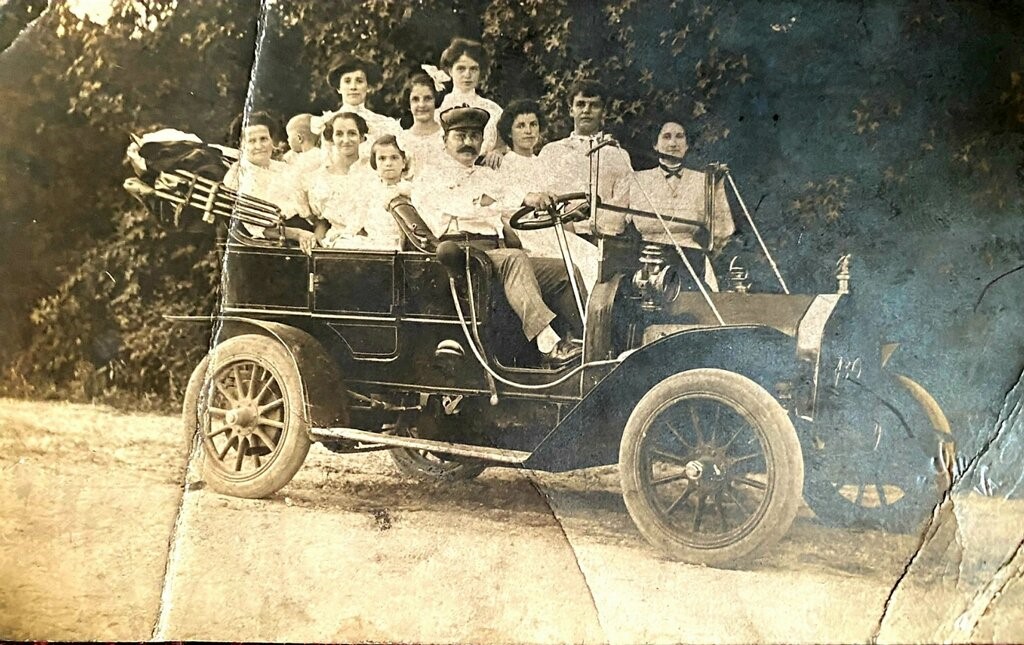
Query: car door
[[265, 278], [357, 293]]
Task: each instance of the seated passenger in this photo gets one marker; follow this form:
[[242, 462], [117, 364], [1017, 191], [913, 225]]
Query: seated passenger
[[367, 201], [330, 189], [672, 191], [258, 175], [303, 154], [463, 202], [519, 127]]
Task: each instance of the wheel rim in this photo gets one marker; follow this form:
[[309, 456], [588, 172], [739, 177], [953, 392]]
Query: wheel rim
[[871, 469], [880, 474], [705, 471], [427, 427], [244, 415], [869, 483]]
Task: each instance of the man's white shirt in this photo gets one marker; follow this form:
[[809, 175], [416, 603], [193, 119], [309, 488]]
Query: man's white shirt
[[454, 199], [570, 171]]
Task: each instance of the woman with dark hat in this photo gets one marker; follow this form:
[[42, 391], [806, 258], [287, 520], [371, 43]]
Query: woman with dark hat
[[352, 78]]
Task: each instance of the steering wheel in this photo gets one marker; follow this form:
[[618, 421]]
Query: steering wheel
[[528, 218]]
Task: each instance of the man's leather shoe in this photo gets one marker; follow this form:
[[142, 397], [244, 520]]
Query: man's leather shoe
[[563, 353]]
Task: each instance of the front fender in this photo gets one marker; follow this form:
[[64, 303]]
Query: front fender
[[324, 393], [589, 434]]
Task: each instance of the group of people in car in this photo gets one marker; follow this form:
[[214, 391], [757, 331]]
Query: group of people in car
[[466, 164]]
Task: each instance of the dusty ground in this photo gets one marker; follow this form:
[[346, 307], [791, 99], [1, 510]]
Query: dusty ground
[[352, 551]]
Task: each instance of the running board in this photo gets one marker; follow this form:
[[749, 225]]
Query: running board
[[443, 447]]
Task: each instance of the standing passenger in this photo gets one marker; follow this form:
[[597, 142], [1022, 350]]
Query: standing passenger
[[352, 78], [422, 140], [570, 165], [464, 60]]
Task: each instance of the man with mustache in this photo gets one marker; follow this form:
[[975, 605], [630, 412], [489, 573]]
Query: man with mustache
[[570, 165], [463, 202]]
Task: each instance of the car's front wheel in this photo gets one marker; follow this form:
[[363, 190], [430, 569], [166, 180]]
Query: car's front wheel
[[883, 455], [711, 467], [251, 420]]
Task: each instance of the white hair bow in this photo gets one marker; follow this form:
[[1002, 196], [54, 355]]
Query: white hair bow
[[317, 124], [439, 76]]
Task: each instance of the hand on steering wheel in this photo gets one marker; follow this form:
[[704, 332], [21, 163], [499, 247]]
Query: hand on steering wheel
[[529, 218]]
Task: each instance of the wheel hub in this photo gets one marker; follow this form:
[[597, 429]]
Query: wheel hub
[[708, 470], [694, 470], [243, 417]]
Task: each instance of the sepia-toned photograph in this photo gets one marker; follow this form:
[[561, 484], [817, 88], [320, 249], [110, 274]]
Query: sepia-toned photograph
[[512, 321]]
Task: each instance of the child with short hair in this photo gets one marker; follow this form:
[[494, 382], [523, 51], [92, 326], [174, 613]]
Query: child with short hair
[[304, 154]]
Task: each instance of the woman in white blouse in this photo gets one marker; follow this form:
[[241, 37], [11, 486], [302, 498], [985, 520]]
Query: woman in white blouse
[[520, 129], [330, 188], [353, 78], [464, 60]]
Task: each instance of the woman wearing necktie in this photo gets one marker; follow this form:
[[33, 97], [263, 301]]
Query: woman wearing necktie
[[674, 191]]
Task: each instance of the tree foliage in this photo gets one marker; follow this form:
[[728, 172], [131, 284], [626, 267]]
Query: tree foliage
[[859, 128]]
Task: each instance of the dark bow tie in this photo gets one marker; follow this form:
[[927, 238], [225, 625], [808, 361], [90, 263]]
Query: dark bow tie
[[676, 172]]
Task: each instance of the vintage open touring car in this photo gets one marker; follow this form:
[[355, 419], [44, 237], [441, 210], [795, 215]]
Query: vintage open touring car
[[709, 402]]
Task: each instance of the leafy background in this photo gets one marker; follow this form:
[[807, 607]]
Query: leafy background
[[890, 130]]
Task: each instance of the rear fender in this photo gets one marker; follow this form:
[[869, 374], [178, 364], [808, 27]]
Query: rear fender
[[323, 390], [590, 433]]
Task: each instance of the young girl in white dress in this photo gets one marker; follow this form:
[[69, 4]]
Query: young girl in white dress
[[391, 165], [422, 141], [464, 61]]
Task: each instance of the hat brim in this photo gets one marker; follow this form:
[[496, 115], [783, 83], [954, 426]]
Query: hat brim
[[345, 63]]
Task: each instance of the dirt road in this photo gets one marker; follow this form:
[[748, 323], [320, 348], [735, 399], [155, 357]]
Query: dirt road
[[351, 551]]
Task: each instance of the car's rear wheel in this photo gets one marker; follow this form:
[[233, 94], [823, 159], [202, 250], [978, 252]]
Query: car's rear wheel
[[711, 467], [190, 404], [882, 457], [251, 418], [433, 423]]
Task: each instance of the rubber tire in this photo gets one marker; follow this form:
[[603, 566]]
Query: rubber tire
[[412, 464], [292, 446], [190, 404], [910, 512], [193, 451], [782, 448]]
